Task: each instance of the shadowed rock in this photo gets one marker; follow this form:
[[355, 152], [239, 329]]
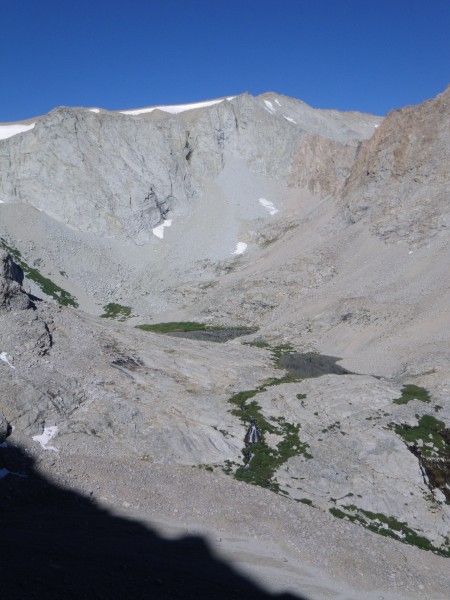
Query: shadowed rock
[[59, 544]]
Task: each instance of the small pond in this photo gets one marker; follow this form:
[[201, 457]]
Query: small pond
[[311, 365], [212, 335]]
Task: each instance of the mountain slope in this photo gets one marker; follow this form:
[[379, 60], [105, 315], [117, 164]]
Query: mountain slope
[[326, 230]]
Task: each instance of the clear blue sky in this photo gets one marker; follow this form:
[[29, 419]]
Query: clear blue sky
[[367, 55]]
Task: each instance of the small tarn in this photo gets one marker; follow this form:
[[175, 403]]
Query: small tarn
[[310, 365], [198, 331]]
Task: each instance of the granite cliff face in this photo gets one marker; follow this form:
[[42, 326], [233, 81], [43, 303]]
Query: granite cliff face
[[399, 182], [328, 231], [123, 174]]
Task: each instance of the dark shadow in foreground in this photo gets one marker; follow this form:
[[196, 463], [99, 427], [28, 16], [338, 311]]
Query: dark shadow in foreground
[[56, 543]]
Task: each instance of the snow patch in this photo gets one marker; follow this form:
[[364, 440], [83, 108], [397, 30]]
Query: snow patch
[[159, 230], [278, 102], [269, 206], [289, 119], [95, 110], [7, 131], [269, 106], [47, 435], [241, 247], [174, 110], [4, 357]]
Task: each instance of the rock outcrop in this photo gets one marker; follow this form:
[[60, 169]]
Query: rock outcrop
[[399, 183], [12, 294]]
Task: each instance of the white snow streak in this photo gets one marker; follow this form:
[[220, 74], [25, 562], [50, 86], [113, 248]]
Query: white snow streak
[[174, 110], [289, 119], [269, 206], [159, 230], [47, 435], [96, 110], [5, 359], [7, 131], [241, 247], [277, 101], [270, 107]]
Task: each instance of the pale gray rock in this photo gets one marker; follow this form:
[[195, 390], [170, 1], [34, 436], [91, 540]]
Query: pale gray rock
[[276, 222], [122, 175]]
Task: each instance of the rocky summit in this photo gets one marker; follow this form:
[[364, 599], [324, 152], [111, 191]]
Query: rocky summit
[[224, 351]]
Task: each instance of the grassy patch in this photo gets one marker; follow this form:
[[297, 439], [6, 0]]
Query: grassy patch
[[185, 326], [48, 287], [387, 526], [288, 378], [429, 441], [116, 311], [260, 460], [340, 514], [412, 392], [257, 344], [279, 351], [429, 429], [305, 501]]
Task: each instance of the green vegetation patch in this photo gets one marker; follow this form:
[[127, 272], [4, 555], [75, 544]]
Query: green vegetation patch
[[185, 326], [387, 526], [429, 429], [261, 461], [257, 344], [116, 311], [412, 392], [48, 287], [429, 441], [288, 378], [279, 351]]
